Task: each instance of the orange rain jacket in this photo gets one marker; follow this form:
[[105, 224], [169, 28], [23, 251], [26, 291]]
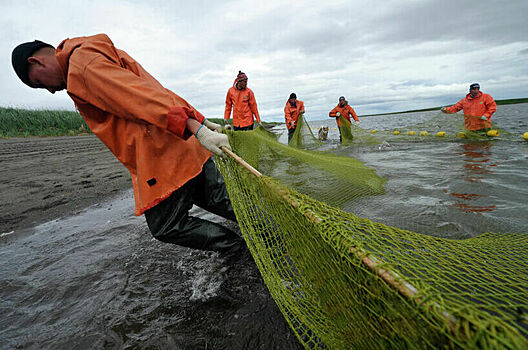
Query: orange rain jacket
[[244, 106], [345, 112], [141, 122], [292, 113], [482, 105]]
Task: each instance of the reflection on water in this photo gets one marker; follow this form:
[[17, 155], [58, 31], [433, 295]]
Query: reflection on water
[[477, 165], [476, 157]]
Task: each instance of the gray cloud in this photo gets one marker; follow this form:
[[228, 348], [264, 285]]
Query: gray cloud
[[384, 55], [487, 22]]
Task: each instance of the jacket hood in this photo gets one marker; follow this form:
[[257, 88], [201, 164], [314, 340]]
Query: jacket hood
[[68, 46], [235, 85]]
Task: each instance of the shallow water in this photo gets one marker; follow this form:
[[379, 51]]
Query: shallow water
[[98, 280], [449, 188]]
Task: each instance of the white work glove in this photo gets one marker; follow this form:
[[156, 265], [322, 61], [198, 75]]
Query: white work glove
[[228, 126], [357, 122], [338, 114], [443, 109], [213, 126], [212, 141], [484, 118], [292, 124]]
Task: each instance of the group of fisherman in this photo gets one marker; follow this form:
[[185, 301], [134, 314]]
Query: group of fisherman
[[478, 108], [241, 100], [163, 141]]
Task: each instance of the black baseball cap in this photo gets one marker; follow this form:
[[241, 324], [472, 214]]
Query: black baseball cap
[[341, 98], [20, 55], [474, 86]]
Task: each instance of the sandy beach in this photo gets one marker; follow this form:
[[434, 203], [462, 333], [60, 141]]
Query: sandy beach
[[48, 178]]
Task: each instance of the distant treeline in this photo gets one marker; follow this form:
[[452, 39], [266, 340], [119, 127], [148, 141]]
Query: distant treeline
[[510, 101]]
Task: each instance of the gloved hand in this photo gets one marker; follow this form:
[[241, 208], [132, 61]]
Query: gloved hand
[[338, 114], [357, 122], [212, 141], [260, 124], [443, 109], [292, 124], [228, 126], [484, 118], [213, 126]]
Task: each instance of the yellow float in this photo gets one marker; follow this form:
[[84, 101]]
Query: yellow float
[[396, 132], [462, 135], [411, 133], [493, 133], [423, 133], [525, 136], [441, 134], [373, 131]]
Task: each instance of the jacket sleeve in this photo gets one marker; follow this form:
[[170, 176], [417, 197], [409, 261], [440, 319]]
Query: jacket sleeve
[[491, 107], [253, 106], [353, 113], [287, 115], [456, 107], [333, 112], [228, 105], [122, 93]]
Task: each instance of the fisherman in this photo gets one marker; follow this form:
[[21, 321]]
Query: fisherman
[[292, 110], [241, 99], [345, 110], [478, 108], [161, 139]]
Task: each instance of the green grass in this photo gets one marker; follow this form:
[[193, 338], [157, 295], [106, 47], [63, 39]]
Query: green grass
[[16, 122], [512, 101], [23, 123]]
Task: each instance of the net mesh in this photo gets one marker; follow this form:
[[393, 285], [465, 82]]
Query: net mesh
[[303, 136], [344, 282]]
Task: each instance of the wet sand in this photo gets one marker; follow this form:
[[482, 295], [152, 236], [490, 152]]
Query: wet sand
[[48, 178]]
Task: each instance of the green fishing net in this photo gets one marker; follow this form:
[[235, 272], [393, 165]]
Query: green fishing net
[[303, 136], [345, 282]]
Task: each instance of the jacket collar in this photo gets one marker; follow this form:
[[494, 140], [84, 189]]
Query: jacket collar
[[468, 96], [68, 46]]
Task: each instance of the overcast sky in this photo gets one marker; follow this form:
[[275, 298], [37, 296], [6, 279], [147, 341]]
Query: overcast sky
[[384, 56]]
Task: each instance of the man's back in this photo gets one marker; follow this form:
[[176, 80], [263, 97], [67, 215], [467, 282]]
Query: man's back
[[134, 115]]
